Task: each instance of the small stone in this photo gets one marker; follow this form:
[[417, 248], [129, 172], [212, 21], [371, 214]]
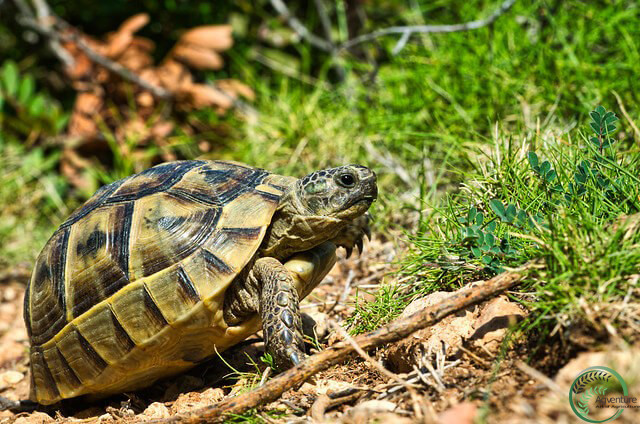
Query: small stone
[[496, 316], [376, 406], [462, 413], [33, 418], [156, 410], [10, 378]]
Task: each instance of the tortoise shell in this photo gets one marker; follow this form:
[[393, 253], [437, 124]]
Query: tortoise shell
[[131, 286]]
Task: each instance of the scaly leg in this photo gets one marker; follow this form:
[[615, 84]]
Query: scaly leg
[[274, 290], [280, 313]]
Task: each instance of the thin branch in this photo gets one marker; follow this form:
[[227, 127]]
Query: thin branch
[[341, 351], [299, 28], [107, 63], [46, 21], [324, 20], [54, 35], [424, 29]]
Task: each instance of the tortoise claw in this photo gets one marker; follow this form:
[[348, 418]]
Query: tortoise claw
[[359, 244], [367, 232], [295, 358], [349, 251]]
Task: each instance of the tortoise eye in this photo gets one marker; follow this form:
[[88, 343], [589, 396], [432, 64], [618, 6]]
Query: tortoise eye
[[347, 180]]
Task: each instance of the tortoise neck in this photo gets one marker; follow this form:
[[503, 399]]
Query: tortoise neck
[[293, 231]]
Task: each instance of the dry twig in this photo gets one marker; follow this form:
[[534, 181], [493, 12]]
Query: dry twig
[[338, 353], [299, 28], [56, 30], [405, 31]]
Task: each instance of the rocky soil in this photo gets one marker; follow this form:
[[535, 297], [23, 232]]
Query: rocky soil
[[465, 368]]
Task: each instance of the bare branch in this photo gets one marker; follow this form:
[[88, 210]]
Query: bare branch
[[407, 31], [45, 20], [324, 20], [70, 36], [299, 28], [341, 351]]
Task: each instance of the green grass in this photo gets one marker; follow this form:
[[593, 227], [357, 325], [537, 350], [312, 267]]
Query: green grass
[[579, 223], [33, 202], [447, 125]]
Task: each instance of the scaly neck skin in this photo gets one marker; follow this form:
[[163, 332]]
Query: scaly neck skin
[[294, 230]]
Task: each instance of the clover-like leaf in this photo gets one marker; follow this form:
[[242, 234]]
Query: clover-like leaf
[[533, 159], [491, 227], [497, 207], [10, 78], [471, 215], [545, 167], [26, 88], [551, 175], [489, 240], [511, 212]]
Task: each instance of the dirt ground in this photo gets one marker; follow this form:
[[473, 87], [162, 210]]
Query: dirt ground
[[458, 371]]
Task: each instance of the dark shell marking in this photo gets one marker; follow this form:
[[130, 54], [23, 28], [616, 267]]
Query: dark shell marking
[[95, 253]]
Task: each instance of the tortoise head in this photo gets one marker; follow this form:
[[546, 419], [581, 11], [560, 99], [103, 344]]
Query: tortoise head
[[343, 193], [317, 207]]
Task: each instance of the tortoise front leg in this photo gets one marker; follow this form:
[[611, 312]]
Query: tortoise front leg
[[280, 312]]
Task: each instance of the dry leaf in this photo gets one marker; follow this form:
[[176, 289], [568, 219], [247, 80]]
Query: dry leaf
[[135, 59], [199, 96], [118, 41], [234, 87], [216, 37], [82, 122], [173, 75], [134, 23], [197, 57]]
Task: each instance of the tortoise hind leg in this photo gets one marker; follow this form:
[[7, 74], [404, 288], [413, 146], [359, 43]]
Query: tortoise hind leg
[[17, 406]]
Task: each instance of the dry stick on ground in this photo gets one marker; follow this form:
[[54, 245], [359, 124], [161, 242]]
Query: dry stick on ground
[[341, 351]]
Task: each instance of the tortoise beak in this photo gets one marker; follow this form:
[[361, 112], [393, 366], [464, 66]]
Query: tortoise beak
[[369, 183]]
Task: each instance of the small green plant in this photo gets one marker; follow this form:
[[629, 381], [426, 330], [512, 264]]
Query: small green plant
[[268, 359], [603, 125], [546, 173], [26, 113]]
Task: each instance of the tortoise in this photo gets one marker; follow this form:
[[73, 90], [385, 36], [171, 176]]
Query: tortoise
[[158, 271]]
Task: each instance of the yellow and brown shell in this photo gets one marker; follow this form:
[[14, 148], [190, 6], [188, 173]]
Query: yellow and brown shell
[[130, 288]]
